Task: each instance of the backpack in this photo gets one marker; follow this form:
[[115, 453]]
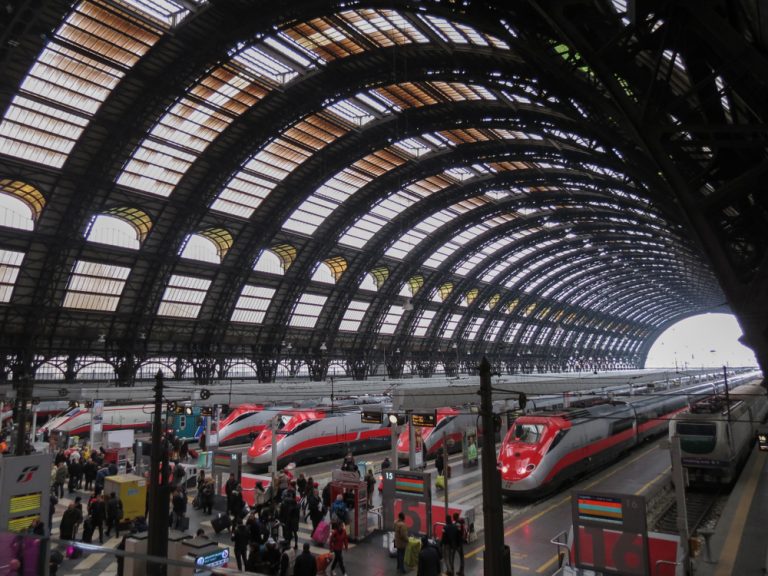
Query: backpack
[[340, 510]]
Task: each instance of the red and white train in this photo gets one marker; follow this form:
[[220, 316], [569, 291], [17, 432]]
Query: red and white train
[[244, 423], [450, 422], [541, 451], [318, 433], [77, 421]]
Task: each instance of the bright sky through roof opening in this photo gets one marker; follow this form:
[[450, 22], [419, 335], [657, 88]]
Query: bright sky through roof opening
[[704, 340]]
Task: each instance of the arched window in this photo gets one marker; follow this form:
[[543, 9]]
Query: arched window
[[369, 283], [20, 204], [270, 263], [324, 274], [122, 226], [209, 245], [113, 231]]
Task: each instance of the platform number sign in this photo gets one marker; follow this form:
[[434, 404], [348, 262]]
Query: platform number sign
[[610, 533], [408, 492]]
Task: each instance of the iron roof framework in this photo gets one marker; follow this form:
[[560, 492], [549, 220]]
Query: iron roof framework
[[551, 184]]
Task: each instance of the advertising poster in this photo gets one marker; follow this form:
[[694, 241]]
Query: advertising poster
[[469, 447]]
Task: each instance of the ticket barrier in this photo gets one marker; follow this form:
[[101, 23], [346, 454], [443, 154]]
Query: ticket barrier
[[355, 494]]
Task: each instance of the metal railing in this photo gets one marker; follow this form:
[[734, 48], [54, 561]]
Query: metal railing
[[561, 542]]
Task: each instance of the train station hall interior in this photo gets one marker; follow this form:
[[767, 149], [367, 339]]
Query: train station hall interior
[[461, 213]]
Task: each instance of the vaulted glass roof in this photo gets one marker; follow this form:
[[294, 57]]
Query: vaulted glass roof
[[412, 177]]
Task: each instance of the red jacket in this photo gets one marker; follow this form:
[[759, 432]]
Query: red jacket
[[339, 539]]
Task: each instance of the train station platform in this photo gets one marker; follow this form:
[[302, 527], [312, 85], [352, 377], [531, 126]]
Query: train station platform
[[739, 545]]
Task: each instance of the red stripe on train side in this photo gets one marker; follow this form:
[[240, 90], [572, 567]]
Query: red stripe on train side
[[322, 441]]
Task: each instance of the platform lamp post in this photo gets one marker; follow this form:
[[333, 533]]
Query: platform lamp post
[[157, 541], [495, 561], [394, 435]]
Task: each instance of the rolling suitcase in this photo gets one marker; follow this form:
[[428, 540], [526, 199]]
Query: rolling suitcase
[[321, 533], [220, 523], [88, 530]]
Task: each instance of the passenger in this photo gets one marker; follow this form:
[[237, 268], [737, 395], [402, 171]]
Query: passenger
[[386, 463], [306, 564], [450, 543], [440, 462], [370, 484], [287, 558], [327, 496], [271, 556], [114, 513], [339, 542], [315, 508], [230, 485], [401, 542], [71, 518], [461, 524], [206, 496], [241, 537], [339, 510], [429, 559], [348, 465]]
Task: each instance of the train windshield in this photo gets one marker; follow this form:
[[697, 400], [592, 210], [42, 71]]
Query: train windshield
[[529, 433], [697, 437]]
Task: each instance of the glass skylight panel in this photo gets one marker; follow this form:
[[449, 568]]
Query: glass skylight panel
[[156, 168], [422, 325], [391, 320], [10, 263], [350, 112], [493, 331], [76, 71], [338, 188], [16, 213], [354, 315], [472, 329], [183, 297], [403, 245], [451, 324], [167, 12], [95, 286], [413, 147], [307, 310], [252, 305], [384, 27]]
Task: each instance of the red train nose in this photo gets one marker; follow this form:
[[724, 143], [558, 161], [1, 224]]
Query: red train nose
[[518, 462]]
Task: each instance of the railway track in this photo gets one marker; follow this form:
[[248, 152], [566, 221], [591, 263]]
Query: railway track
[[703, 506]]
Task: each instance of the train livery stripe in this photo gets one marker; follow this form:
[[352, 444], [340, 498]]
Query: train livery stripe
[[323, 441]]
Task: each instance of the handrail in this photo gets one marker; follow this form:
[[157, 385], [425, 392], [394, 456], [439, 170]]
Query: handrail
[[561, 543], [667, 562]]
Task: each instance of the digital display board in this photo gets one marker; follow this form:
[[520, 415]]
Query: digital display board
[[424, 419], [600, 509], [25, 503], [213, 559], [371, 417], [21, 524], [222, 460]]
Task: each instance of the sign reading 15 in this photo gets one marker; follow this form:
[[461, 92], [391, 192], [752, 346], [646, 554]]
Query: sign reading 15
[[389, 475]]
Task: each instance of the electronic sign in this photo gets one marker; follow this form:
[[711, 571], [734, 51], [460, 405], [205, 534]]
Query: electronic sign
[[610, 533], [410, 488], [424, 419], [371, 417]]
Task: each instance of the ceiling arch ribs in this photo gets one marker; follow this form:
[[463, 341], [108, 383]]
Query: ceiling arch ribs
[[433, 118], [706, 145]]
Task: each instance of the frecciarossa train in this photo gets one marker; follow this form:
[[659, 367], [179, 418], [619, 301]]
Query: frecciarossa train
[[77, 421], [544, 450], [317, 433], [450, 422], [244, 423]]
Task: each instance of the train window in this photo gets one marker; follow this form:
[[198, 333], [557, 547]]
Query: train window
[[697, 437], [529, 433], [182, 422], [443, 422], [621, 425], [242, 417], [302, 426], [560, 435]]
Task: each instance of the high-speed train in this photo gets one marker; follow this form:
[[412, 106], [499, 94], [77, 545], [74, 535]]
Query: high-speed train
[[77, 421], [716, 435], [317, 433], [244, 423], [450, 422], [544, 450]]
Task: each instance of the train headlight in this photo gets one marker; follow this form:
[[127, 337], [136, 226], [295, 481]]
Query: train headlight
[[530, 468], [504, 469]]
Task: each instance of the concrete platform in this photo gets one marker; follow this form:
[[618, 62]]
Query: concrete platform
[[739, 546]]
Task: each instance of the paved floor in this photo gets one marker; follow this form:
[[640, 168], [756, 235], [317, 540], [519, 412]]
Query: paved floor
[[369, 557]]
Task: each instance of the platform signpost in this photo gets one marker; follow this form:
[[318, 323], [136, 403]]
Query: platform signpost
[[414, 490], [610, 533]]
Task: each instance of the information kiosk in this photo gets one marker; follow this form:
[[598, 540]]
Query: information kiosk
[[355, 494]]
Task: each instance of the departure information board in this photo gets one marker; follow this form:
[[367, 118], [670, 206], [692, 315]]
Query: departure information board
[[424, 419], [371, 417]]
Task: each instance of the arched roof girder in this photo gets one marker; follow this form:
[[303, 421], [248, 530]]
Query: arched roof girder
[[310, 258], [433, 280]]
